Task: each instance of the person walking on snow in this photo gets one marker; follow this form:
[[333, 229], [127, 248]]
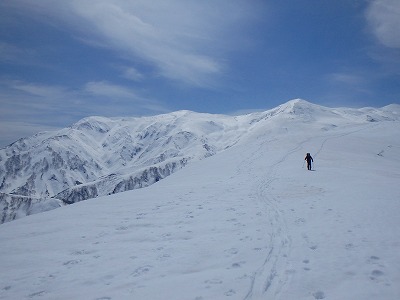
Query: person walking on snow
[[309, 159]]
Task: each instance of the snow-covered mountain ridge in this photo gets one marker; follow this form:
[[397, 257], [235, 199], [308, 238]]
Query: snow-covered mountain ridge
[[100, 156], [249, 222]]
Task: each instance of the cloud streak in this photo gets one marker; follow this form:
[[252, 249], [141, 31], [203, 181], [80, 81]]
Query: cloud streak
[[383, 17], [39, 90], [132, 74], [347, 78], [175, 37], [109, 90], [180, 40]]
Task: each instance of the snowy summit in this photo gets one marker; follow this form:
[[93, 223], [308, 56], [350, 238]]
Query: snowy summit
[[199, 206]]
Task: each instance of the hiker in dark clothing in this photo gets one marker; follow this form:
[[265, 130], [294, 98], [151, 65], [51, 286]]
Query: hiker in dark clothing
[[309, 159]]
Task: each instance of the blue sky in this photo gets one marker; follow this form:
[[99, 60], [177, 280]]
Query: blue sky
[[61, 61]]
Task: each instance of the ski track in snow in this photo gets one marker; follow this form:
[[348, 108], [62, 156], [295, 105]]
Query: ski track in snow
[[270, 278]]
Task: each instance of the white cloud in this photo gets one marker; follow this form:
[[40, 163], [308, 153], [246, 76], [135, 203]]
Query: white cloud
[[183, 40], [109, 90], [384, 20], [353, 84], [38, 89], [132, 74], [169, 35], [347, 78]]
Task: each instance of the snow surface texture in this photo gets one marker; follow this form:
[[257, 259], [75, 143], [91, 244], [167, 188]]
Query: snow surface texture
[[247, 223]]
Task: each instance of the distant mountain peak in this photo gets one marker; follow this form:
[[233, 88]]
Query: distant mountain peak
[[299, 104], [94, 123], [302, 109], [298, 101]]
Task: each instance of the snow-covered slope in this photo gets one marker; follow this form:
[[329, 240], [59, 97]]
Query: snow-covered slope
[[99, 156], [247, 223], [16, 206]]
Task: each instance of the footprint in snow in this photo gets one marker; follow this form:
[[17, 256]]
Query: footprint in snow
[[213, 281], [72, 262], [237, 264], [140, 216], [319, 295], [164, 257], [82, 252], [373, 259], [231, 251], [122, 228], [37, 294], [232, 220], [246, 238], [231, 292], [306, 261], [141, 271], [300, 221], [166, 235], [376, 275]]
